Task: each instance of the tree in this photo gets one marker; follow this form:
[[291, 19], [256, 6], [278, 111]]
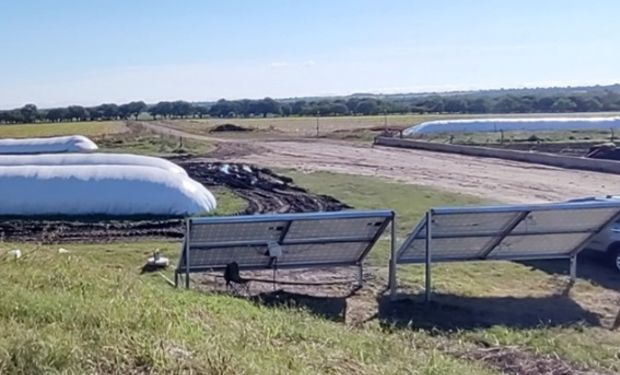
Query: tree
[[131, 109], [57, 114], [564, 105], [29, 113], [181, 109], [587, 104], [480, 105], [201, 111], [339, 109], [544, 104], [455, 105], [221, 109], [265, 106], [298, 107], [367, 107], [285, 109], [77, 112], [163, 109], [105, 112], [507, 104]]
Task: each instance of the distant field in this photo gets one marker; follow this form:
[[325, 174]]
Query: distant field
[[344, 127], [112, 136], [89, 129]]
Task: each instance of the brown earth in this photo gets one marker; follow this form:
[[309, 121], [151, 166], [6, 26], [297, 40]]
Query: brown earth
[[488, 178], [491, 179]]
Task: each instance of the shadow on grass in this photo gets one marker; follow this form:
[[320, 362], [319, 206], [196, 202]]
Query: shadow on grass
[[590, 266], [449, 312], [332, 308]]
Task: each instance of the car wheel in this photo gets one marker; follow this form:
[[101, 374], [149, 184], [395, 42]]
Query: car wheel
[[615, 259]]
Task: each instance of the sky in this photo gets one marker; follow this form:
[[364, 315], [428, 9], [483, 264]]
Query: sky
[[61, 52]]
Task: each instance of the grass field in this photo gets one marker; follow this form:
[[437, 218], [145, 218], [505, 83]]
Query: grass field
[[520, 298], [89, 129], [92, 311], [112, 136]]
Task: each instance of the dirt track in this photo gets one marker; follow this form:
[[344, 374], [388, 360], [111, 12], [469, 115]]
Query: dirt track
[[489, 178], [492, 179]]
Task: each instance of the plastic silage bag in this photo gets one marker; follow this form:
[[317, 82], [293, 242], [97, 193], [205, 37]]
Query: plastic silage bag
[[72, 143], [113, 190], [513, 124], [91, 159]]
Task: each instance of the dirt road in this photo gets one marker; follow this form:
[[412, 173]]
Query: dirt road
[[492, 179]]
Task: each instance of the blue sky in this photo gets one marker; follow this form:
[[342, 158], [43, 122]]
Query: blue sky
[[60, 52]]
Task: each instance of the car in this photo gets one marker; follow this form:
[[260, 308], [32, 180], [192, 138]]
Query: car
[[607, 242]]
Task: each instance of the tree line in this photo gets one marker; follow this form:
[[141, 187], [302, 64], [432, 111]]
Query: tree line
[[473, 103]]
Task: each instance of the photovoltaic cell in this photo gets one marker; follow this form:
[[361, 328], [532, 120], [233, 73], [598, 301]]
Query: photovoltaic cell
[[302, 240], [509, 232]]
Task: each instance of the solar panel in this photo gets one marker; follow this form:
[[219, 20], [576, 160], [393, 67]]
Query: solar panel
[[282, 240], [514, 232], [526, 232]]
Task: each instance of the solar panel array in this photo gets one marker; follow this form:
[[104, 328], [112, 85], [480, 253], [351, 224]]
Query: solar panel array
[[285, 240], [508, 232]]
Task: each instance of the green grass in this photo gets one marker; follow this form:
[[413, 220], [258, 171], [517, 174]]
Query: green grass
[[90, 311], [484, 285], [113, 136], [138, 140], [228, 203], [89, 129]]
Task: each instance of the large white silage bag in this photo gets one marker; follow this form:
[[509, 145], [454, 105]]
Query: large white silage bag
[[91, 159], [114, 190], [71, 143], [513, 124]]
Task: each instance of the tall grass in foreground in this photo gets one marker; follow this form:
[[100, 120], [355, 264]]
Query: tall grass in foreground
[[90, 311]]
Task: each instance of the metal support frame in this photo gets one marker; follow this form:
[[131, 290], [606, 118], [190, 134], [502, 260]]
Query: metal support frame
[[573, 268], [392, 276], [185, 269], [429, 235], [360, 275], [187, 241], [511, 226]]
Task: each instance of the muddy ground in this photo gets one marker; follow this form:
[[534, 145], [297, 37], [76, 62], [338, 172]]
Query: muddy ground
[[264, 190]]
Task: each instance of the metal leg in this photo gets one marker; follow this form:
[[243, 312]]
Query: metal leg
[[187, 240], [573, 268], [176, 279], [360, 275], [427, 284], [392, 275]]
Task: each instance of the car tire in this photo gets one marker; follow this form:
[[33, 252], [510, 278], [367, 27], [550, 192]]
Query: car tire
[[614, 258]]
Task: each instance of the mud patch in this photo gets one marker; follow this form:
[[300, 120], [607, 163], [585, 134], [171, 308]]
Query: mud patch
[[264, 190], [332, 293], [229, 128]]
